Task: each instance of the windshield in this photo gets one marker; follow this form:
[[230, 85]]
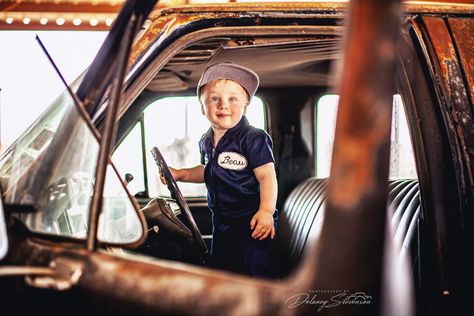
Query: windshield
[[51, 168]]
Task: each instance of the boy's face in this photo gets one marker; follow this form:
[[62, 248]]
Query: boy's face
[[224, 102]]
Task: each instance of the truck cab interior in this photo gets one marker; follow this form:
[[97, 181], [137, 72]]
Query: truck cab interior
[[296, 103]]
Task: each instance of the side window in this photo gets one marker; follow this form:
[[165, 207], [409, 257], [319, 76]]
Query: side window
[[402, 161], [175, 125], [128, 158]]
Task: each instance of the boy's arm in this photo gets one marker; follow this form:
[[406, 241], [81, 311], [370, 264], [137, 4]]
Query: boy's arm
[[262, 221], [194, 174]]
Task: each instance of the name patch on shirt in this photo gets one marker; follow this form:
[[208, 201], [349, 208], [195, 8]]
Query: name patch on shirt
[[232, 161]]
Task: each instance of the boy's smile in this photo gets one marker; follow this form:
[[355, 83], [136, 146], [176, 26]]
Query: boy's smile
[[224, 102]]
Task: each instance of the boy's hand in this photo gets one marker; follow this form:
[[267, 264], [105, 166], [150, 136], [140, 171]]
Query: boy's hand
[[174, 173], [262, 225]]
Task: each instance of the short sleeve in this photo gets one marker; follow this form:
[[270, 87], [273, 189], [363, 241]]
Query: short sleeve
[[202, 149], [203, 161], [259, 149], [202, 152]]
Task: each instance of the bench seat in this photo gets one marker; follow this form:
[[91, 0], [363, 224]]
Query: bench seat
[[302, 216]]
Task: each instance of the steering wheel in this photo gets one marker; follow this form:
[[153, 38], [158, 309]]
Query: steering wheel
[[178, 196]]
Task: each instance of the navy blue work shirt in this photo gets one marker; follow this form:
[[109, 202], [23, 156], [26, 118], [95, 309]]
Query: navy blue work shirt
[[233, 191]]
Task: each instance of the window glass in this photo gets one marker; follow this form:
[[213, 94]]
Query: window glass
[[402, 163], [325, 129], [50, 171], [175, 125], [402, 159], [127, 158]]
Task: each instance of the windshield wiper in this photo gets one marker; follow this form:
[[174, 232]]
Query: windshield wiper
[[77, 102], [43, 169]]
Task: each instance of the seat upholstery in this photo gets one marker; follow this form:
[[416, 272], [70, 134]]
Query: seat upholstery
[[302, 216]]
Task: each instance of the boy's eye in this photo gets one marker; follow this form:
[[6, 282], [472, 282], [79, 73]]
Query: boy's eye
[[233, 99], [214, 99]]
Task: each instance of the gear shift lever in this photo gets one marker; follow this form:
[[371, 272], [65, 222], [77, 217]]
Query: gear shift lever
[[128, 178]]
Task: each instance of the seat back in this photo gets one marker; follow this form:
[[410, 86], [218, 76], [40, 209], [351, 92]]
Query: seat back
[[303, 211]]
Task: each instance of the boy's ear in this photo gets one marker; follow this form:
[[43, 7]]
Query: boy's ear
[[245, 108], [202, 105]]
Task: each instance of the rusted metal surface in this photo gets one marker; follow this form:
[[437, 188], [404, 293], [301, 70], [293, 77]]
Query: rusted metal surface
[[262, 8], [448, 189], [165, 20], [463, 32], [157, 29], [169, 288], [130, 285], [322, 6], [353, 227], [363, 125], [451, 83], [35, 11]]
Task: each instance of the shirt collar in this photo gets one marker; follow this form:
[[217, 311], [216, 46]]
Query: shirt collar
[[242, 123]]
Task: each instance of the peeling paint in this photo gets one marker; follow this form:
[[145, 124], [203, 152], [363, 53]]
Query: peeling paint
[[452, 83], [463, 32]]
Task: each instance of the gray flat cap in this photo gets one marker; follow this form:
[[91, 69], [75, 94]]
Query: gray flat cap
[[244, 76]]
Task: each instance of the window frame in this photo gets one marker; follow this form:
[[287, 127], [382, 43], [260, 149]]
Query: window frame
[[139, 118], [402, 127]]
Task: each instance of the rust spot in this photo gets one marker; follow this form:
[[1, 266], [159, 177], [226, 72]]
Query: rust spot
[[463, 32], [164, 24], [149, 36], [358, 172], [451, 76], [441, 42]]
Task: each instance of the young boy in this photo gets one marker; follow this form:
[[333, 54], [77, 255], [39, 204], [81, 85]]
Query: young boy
[[237, 166]]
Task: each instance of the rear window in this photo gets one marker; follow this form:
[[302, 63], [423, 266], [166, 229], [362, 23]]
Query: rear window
[[174, 125], [402, 162]]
